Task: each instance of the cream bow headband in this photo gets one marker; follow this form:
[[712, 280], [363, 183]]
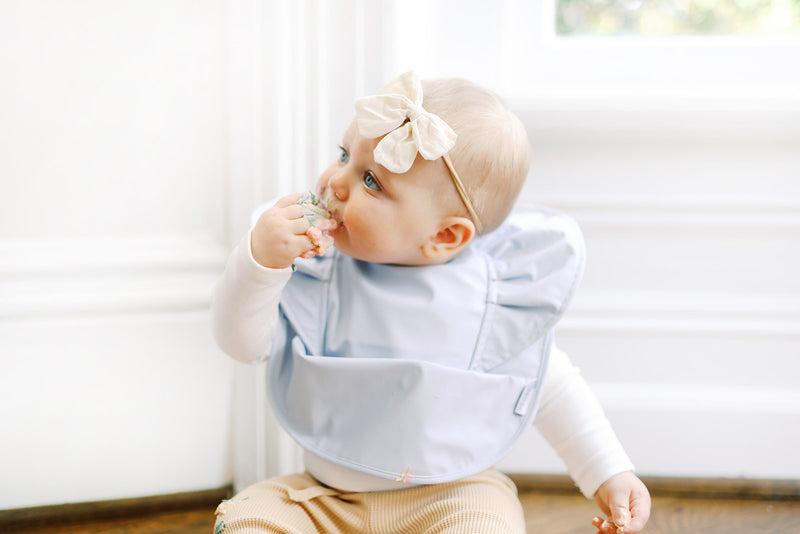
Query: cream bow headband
[[397, 114]]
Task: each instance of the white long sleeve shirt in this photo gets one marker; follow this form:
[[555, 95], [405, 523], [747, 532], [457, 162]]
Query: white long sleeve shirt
[[245, 315]]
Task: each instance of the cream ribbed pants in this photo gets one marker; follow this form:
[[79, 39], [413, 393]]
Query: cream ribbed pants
[[486, 503]]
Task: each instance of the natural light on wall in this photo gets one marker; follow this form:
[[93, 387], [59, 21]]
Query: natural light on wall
[[627, 50], [677, 17]]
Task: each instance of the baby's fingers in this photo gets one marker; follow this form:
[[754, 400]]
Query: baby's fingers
[[603, 526], [293, 247], [620, 515], [640, 513], [299, 226], [288, 200], [327, 225]]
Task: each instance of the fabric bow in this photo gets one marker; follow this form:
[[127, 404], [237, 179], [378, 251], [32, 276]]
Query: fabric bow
[[386, 114]]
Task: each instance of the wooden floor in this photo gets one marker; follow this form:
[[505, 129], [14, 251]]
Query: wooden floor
[[563, 514], [551, 514], [548, 513]]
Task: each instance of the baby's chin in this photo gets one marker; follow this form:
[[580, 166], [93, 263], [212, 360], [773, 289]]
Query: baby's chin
[[343, 243], [384, 257]]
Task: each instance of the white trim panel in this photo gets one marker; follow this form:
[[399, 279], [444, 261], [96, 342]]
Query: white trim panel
[[107, 275], [690, 431]]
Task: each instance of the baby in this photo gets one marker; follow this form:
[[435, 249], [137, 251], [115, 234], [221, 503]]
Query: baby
[[412, 356]]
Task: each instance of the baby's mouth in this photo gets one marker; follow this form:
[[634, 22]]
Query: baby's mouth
[[336, 216]]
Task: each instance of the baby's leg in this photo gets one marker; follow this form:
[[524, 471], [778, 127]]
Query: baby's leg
[[486, 503], [294, 504]]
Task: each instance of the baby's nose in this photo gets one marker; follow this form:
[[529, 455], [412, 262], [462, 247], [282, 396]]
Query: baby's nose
[[338, 185]]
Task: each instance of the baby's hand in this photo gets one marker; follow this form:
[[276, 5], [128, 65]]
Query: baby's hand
[[279, 236], [625, 501]]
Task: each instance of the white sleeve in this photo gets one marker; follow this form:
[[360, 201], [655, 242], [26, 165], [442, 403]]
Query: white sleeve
[[572, 421], [244, 305]]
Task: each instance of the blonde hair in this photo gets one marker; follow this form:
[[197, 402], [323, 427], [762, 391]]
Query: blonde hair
[[492, 153]]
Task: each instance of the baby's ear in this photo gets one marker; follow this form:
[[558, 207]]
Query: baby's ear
[[455, 234]]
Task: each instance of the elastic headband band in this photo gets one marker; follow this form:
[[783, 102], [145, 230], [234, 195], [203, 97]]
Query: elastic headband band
[[462, 192]]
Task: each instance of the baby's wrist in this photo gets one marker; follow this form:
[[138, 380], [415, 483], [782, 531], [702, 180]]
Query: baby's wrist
[[261, 259]]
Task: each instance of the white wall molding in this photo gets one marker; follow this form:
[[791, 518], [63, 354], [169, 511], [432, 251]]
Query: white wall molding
[[666, 428], [32, 258], [138, 274], [660, 398], [650, 117], [690, 314], [658, 212]]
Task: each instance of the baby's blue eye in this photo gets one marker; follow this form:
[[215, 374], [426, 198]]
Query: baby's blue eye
[[370, 182], [344, 157]]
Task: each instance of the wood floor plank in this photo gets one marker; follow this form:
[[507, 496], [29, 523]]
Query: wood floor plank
[[712, 516], [187, 522], [545, 513], [563, 514], [109, 511]]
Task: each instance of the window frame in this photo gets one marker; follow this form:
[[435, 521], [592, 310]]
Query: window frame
[[744, 67]]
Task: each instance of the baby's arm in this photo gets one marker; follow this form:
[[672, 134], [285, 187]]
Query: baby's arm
[[572, 421], [245, 301], [244, 306]]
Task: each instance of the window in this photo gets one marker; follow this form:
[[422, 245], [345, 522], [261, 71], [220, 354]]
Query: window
[[677, 17], [532, 49]]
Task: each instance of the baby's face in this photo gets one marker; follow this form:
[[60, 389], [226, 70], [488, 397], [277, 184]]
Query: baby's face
[[386, 217]]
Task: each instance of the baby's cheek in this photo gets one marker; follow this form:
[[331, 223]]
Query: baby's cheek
[[368, 222], [383, 239], [362, 228]]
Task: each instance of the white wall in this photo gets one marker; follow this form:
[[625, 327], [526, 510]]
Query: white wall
[[681, 161], [135, 139], [687, 323], [113, 225]]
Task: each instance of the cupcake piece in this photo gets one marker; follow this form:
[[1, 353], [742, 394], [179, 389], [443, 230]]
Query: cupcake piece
[[321, 220]]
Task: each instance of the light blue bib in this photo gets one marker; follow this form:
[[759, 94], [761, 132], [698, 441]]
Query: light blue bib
[[428, 374]]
